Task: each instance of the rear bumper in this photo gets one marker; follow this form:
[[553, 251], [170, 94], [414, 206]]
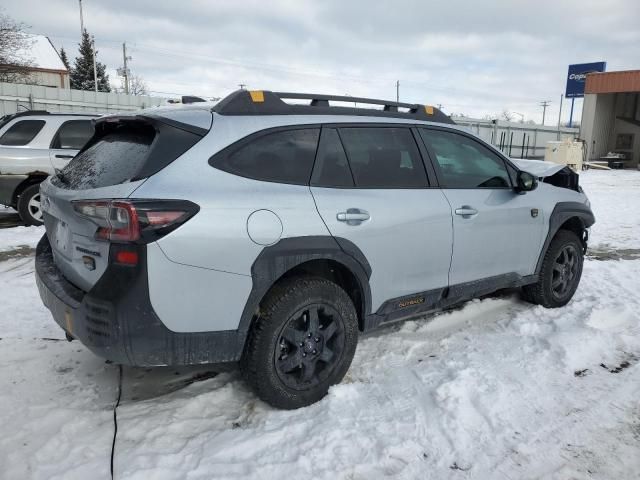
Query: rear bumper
[[116, 321]]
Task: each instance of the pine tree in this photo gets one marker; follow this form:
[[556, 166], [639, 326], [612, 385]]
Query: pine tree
[[65, 59], [82, 73]]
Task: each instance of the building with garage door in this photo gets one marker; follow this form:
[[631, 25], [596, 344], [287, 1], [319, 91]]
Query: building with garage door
[[611, 117]]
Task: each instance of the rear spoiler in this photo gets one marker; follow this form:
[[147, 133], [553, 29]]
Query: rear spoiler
[[152, 119]]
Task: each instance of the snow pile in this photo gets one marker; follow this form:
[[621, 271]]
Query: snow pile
[[17, 237], [496, 389], [615, 195]]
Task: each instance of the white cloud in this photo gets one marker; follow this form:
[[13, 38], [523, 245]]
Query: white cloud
[[472, 57]]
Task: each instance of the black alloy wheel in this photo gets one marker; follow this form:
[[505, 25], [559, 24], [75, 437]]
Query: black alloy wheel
[[565, 269], [302, 342], [560, 272], [310, 344]]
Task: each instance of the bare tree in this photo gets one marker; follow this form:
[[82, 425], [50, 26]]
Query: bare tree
[[137, 86], [14, 63], [506, 115]]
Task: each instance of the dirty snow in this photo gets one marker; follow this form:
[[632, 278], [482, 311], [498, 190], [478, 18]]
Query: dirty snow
[[16, 237], [496, 389]]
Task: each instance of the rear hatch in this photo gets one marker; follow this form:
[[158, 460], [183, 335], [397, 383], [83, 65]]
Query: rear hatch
[[124, 151]]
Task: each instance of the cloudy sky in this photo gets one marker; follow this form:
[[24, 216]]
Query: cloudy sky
[[475, 58]]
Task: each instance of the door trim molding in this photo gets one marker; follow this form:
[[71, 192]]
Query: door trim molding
[[408, 306]]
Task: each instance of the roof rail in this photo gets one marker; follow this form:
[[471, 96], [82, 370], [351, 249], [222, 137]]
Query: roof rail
[[26, 113], [7, 118], [264, 102]]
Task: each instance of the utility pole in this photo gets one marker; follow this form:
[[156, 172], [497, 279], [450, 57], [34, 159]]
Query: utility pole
[[95, 70], [560, 115], [544, 104], [397, 90], [571, 112], [81, 19], [242, 85], [125, 71]]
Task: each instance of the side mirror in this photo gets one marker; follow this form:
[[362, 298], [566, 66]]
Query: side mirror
[[525, 182]]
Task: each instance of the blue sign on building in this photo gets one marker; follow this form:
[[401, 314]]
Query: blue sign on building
[[578, 75]]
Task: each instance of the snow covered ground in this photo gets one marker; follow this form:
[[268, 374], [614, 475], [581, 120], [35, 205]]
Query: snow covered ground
[[498, 389]]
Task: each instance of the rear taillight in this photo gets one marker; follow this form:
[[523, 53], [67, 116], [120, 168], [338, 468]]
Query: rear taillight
[[139, 221]]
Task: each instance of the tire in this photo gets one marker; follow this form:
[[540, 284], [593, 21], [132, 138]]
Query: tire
[[290, 362], [560, 273], [29, 205]]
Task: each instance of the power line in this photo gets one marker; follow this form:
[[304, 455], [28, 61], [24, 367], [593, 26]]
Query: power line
[[301, 72], [294, 71]]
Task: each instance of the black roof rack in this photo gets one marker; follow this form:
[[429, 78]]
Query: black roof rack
[[264, 102]]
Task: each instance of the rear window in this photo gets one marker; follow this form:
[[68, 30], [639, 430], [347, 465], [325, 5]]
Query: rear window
[[21, 133], [124, 151], [114, 159]]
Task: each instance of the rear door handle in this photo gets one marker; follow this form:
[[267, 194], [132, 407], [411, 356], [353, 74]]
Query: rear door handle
[[64, 156], [466, 211], [353, 216]]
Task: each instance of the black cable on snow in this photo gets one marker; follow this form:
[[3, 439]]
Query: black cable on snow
[[115, 417]]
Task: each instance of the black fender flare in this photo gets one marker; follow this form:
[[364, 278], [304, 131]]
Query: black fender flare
[[562, 212], [276, 260]]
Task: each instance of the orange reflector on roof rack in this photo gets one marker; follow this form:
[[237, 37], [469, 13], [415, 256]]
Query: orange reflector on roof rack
[[428, 109], [257, 96]]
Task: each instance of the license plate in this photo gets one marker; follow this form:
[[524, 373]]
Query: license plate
[[61, 238]]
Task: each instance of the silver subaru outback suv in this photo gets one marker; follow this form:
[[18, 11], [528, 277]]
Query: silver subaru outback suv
[[271, 229]]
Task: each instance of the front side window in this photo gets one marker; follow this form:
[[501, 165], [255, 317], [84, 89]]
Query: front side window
[[21, 133], [284, 157], [464, 163], [73, 134], [383, 157]]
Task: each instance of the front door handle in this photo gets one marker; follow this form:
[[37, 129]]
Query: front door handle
[[353, 216], [466, 211], [64, 156]]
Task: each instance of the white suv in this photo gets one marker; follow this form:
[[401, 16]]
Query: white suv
[[271, 233], [32, 145]]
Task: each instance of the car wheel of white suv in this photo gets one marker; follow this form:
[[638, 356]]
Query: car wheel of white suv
[[560, 273], [302, 343]]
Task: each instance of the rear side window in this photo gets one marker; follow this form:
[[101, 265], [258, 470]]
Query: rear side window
[[465, 163], [21, 133], [73, 134], [383, 157], [284, 156], [331, 168]]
